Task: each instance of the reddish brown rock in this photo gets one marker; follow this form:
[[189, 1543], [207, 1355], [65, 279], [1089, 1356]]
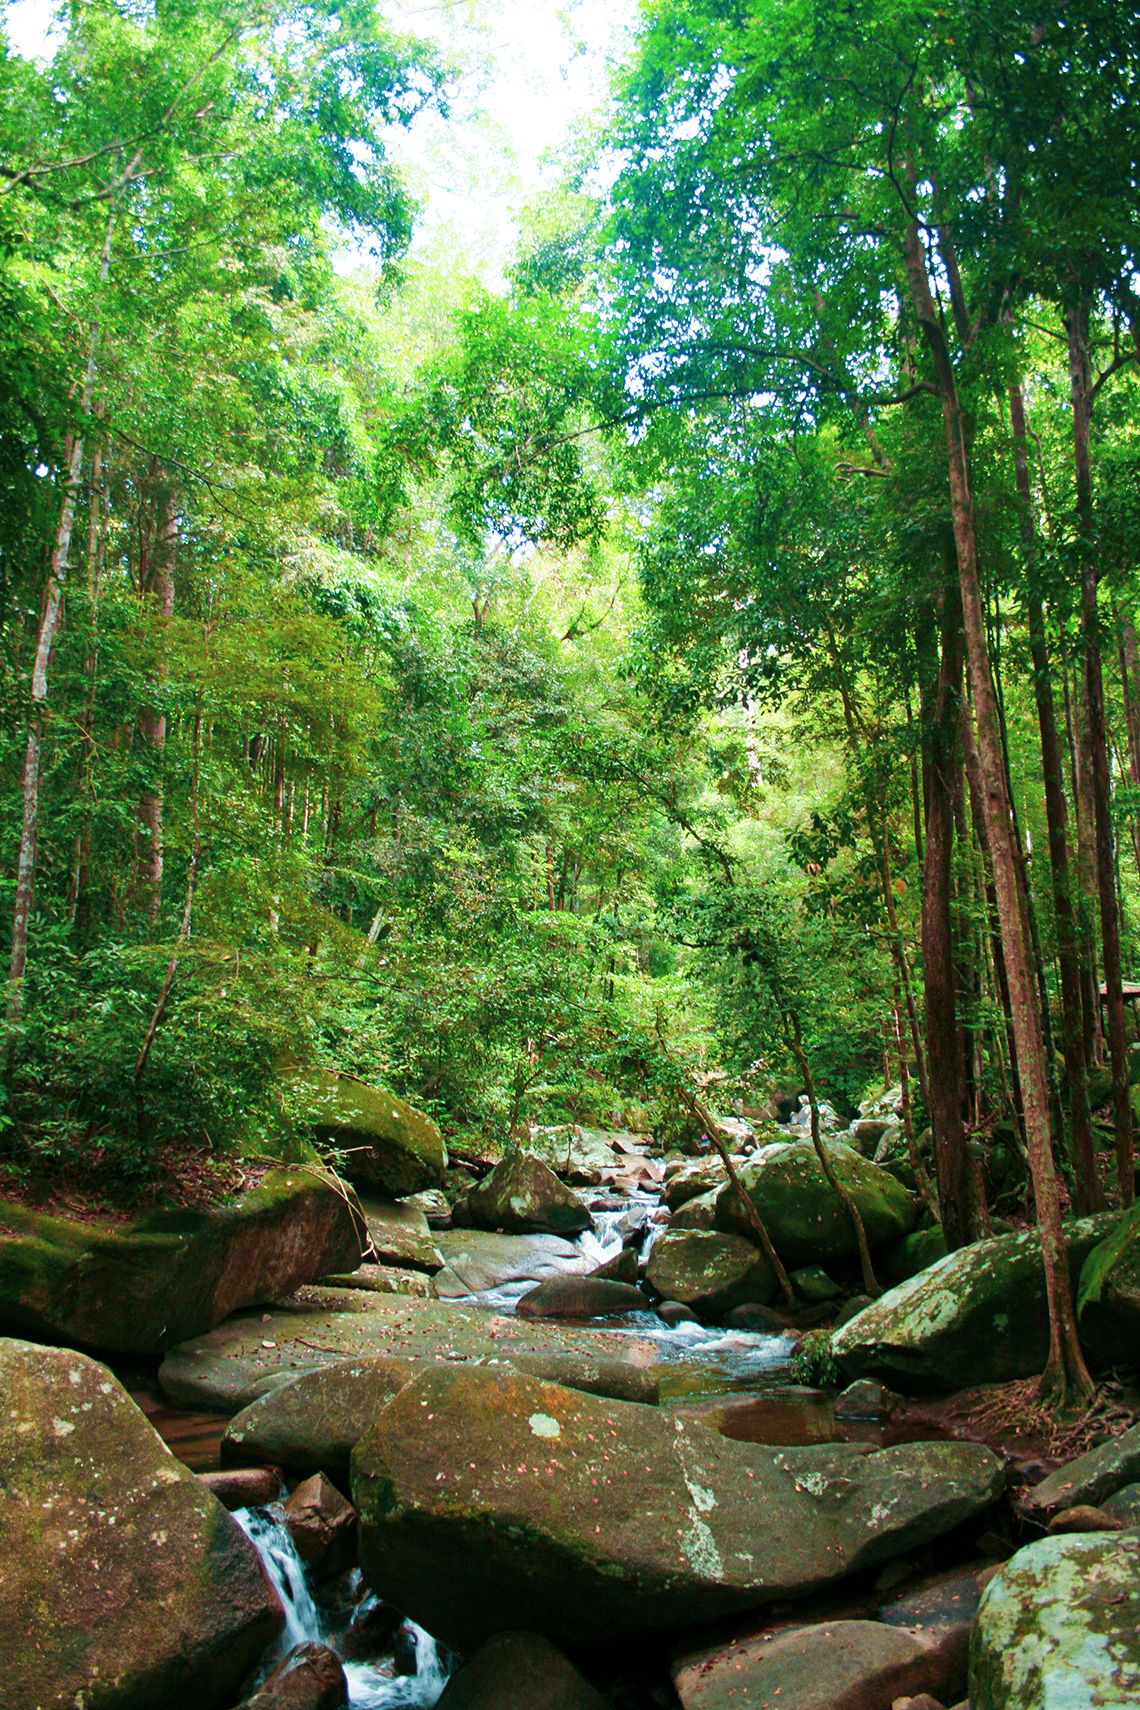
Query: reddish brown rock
[[322, 1525]]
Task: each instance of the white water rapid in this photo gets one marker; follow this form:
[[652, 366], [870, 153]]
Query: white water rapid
[[371, 1685]]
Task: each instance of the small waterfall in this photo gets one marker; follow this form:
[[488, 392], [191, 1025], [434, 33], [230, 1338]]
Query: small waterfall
[[371, 1685]]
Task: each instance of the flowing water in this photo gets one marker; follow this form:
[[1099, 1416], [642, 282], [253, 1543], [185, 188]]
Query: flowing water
[[372, 1685]]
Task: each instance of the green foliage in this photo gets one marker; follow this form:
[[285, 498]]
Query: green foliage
[[812, 1363]]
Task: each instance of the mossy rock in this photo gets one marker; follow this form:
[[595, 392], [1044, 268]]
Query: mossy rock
[[176, 1273], [915, 1252], [710, 1271], [1108, 1295], [523, 1197], [803, 1216], [386, 1144], [977, 1316], [125, 1582]]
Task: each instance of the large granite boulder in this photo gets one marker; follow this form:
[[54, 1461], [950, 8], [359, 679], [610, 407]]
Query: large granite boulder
[[693, 1181], [592, 1520], [804, 1218], [248, 1356], [312, 1423], [476, 1260], [1108, 1295], [173, 1274], [1057, 1627], [124, 1582], [697, 1213], [581, 1297], [386, 1144], [710, 1271], [522, 1196], [977, 1316]]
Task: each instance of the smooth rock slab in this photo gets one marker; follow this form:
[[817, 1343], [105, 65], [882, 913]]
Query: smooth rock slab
[[124, 1584], [581, 1297], [173, 1274], [478, 1259], [589, 1520], [835, 1665], [400, 1234], [246, 1357], [1059, 1627], [977, 1316]]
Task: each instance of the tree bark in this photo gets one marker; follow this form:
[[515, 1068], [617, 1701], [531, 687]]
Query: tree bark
[[1088, 1195], [156, 583], [1066, 1367], [1081, 394]]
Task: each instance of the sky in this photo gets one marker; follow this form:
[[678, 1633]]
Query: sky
[[529, 73]]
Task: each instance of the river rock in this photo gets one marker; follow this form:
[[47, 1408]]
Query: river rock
[[400, 1233], [523, 1197], [977, 1316], [173, 1274], [621, 1268], [590, 1520], [1083, 1518], [914, 1253], [478, 1260], [806, 1222], [311, 1677], [832, 1665], [812, 1283], [383, 1279], [244, 1487], [709, 1271], [691, 1181], [865, 1399], [322, 1526], [1108, 1295], [387, 1145], [580, 1297], [1058, 1627], [522, 1670], [699, 1212], [124, 1581], [1124, 1506], [1098, 1473]]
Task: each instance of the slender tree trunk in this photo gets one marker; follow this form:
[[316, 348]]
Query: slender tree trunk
[[159, 588], [1088, 1195], [49, 622], [1080, 389], [942, 1045], [716, 1135], [1066, 1365]]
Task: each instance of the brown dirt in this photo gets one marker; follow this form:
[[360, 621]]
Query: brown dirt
[[1012, 1420]]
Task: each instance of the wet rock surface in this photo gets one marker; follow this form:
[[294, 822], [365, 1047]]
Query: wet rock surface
[[123, 1580], [710, 1271], [1059, 1626], [522, 1196], [590, 1519], [580, 1297], [311, 1677]]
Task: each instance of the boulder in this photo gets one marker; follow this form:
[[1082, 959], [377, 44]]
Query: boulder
[[523, 1670], [322, 1525], [697, 1213], [478, 1260], [1108, 1295], [124, 1582], [400, 1234], [383, 1279], [813, 1284], [977, 1316], [245, 1358], [580, 1297], [832, 1665], [386, 1144], [434, 1206], [692, 1181], [1124, 1506], [621, 1268], [914, 1253], [672, 1313], [523, 1197], [1057, 1626], [310, 1677], [805, 1220], [1084, 1518], [590, 1520], [244, 1487], [1098, 1473], [173, 1274], [710, 1271], [865, 1399]]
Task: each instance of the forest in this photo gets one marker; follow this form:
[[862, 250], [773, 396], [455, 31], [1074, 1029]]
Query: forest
[[709, 661]]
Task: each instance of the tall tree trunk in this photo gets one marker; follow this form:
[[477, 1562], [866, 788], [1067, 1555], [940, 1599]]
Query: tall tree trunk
[[1080, 390], [1066, 1367], [156, 582], [49, 622], [1088, 1195], [943, 1064]]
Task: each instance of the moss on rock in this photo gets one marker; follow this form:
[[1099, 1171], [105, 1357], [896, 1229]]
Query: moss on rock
[[803, 1216], [387, 1144]]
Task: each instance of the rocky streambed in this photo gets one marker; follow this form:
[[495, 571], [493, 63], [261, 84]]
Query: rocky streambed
[[539, 1445]]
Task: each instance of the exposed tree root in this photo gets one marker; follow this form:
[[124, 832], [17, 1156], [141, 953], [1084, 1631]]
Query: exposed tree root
[[1024, 1410]]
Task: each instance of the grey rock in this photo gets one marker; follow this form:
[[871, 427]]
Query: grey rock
[[539, 1677], [1098, 1473], [832, 1665], [523, 1197], [710, 1271], [400, 1233], [580, 1297], [478, 1260]]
